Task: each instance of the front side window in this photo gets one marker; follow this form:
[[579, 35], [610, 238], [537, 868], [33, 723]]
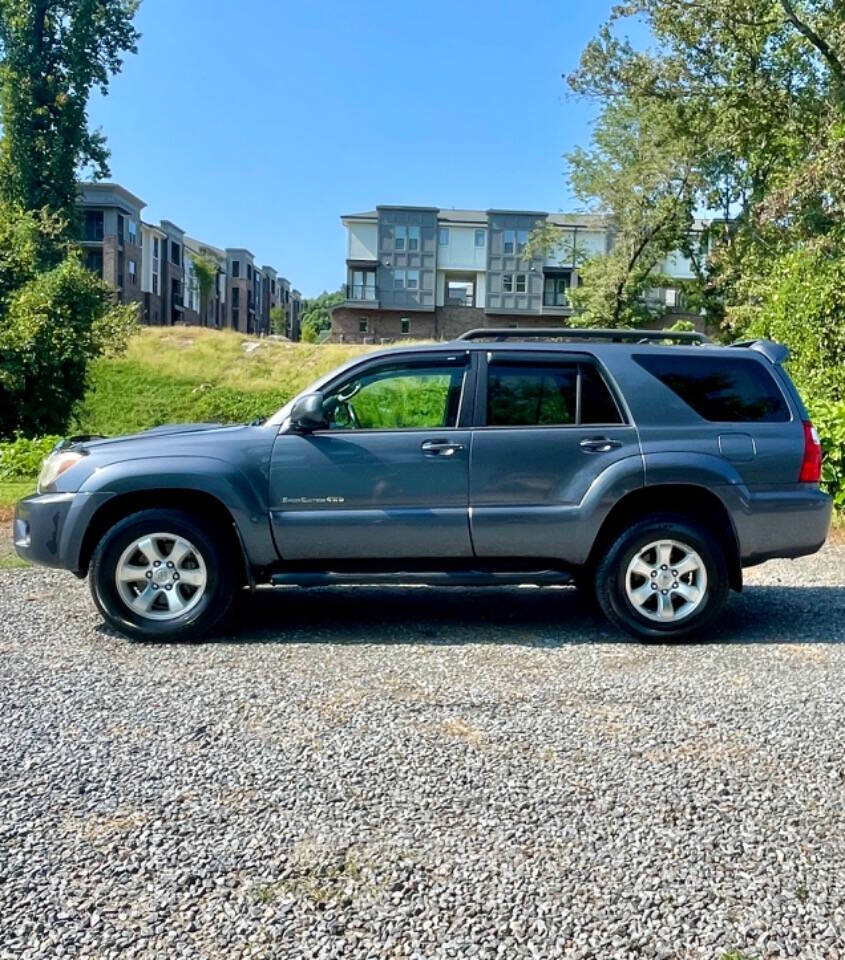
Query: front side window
[[529, 394], [402, 397], [720, 389]]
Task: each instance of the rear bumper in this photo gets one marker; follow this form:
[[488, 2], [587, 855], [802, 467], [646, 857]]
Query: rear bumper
[[49, 528], [790, 523]]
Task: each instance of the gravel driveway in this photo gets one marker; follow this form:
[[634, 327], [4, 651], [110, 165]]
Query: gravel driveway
[[425, 773]]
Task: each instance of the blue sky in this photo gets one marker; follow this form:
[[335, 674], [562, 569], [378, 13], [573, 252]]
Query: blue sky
[[258, 123]]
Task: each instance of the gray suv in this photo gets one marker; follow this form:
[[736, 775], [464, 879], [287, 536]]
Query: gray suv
[[646, 468]]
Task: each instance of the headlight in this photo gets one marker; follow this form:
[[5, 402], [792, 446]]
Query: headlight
[[55, 465]]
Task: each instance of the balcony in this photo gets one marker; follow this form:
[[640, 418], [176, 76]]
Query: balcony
[[362, 292]]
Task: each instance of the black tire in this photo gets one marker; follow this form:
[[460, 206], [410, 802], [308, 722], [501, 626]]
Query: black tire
[[207, 610], [611, 572]]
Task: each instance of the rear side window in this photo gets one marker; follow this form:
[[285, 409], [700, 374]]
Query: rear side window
[[525, 394], [724, 390]]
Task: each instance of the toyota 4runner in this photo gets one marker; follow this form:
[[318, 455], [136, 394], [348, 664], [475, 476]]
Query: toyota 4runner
[[645, 467]]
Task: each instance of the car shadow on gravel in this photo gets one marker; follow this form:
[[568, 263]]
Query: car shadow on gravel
[[536, 617]]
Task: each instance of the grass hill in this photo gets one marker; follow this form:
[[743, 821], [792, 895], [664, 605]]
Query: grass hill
[[184, 374]]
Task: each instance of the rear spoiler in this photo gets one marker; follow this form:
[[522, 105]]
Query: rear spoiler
[[775, 353]]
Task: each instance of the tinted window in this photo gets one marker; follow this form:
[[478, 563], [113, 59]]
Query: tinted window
[[597, 404], [524, 395], [727, 389], [410, 396]]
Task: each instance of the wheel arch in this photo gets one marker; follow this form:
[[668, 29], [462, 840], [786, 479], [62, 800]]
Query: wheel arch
[[686, 499], [199, 504]]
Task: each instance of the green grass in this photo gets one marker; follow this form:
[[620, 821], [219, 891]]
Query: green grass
[[11, 492], [185, 374]]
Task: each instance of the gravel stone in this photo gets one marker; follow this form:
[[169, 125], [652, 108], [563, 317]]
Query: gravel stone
[[423, 773]]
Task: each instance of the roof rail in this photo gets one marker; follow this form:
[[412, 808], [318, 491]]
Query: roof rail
[[584, 333]]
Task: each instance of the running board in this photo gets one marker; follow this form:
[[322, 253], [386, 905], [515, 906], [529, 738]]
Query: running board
[[451, 578]]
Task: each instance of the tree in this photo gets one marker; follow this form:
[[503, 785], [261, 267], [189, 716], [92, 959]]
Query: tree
[[53, 321], [52, 54], [205, 270], [637, 174], [278, 321], [753, 91], [316, 317]]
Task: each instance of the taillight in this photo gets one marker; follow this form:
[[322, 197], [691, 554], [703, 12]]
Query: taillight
[[811, 465]]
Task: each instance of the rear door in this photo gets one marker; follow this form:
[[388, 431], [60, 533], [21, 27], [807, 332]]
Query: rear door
[[388, 476], [548, 425]]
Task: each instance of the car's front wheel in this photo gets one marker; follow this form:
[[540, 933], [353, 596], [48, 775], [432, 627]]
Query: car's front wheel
[[159, 575], [663, 578]]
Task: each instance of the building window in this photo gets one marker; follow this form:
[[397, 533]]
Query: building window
[[413, 238], [507, 282], [249, 271], [235, 317], [480, 238], [398, 279], [443, 236], [132, 279], [405, 325], [155, 246], [120, 223], [175, 253], [363, 286], [236, 297], [413, 279], [460, 293], [363, 325], [520, 283], [155, 283], [555, 290], [521, 240], [509, 242], [236, 268], [93, 225], [94, 262], [133, 232]]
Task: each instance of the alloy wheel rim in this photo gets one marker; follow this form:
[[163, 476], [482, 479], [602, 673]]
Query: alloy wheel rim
[[666, 581], [161, 576]]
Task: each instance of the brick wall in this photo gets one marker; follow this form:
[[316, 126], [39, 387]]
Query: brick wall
[[445, 323]]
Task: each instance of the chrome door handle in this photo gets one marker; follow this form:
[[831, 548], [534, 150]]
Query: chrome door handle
[[599, 444], [440, 448]]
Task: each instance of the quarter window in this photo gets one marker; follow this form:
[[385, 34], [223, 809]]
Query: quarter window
[[401, 397], [720, 389]]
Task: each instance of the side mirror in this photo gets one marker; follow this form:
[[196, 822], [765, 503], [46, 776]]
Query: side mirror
[[307, 413]]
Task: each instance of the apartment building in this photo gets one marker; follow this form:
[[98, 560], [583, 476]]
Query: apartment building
[[427, 273], [111, 237], [153, 265]]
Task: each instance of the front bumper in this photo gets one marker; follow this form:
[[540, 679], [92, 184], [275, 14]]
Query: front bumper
[[49, 528]]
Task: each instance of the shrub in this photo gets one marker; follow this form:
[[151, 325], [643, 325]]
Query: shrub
[[829, 419], [21, 459], [55, 316]]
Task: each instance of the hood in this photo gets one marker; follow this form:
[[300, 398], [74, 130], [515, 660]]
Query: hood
[[167, 430]]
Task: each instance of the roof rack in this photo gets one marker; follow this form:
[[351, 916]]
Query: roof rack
[[585, 333]]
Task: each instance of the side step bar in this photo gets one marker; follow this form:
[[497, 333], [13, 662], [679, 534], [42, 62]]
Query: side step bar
[[451, 578]]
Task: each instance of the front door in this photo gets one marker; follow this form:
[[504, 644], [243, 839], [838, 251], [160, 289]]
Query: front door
[[388, 476], [549, 428]]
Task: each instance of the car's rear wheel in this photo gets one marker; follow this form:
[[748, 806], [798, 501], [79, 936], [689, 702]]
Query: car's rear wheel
[[159, 575], [663, 578]]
